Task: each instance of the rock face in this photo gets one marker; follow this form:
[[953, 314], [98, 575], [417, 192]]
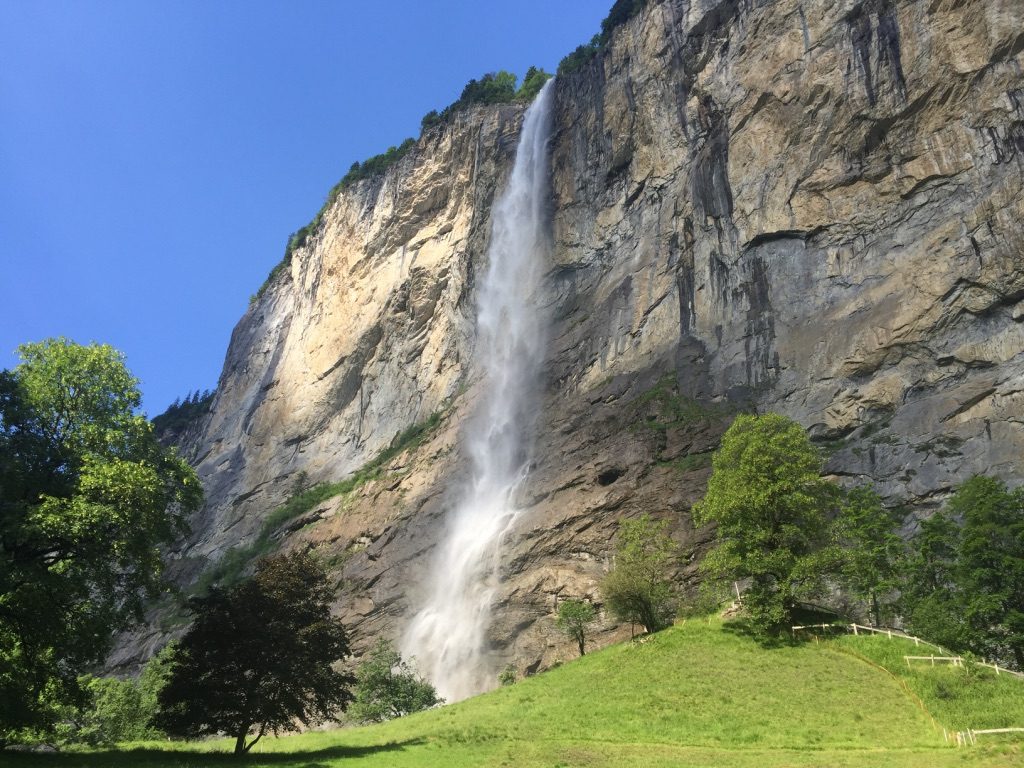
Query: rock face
[[810, 207]]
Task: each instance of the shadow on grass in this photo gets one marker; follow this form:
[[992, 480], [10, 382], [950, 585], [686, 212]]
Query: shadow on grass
[[771, 639], [784, 637], [172, 758]]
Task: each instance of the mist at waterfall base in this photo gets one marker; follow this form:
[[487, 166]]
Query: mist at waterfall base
[[447, 636]]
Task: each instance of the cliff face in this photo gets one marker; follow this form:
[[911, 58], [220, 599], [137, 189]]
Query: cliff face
[[809, 207]]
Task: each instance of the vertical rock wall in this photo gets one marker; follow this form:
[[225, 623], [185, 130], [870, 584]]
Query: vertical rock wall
[[814, 207]]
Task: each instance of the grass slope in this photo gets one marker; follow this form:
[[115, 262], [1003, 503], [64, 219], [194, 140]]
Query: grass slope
[[957, 697], [695, 695]]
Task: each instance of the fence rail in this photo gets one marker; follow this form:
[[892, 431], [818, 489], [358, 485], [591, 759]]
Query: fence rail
[[999, 670], [956, 661], [970, 736], [858, 628]]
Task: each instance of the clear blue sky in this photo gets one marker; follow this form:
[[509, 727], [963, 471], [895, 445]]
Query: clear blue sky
[[154, 156]]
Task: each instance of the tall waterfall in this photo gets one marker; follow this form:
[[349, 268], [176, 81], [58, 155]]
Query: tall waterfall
[[447, 635]]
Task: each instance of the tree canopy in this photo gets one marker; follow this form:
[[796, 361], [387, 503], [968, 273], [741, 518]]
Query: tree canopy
[[873, 553], [87, 497], [638, 588], [965, 583], [771, 506], [574, 620], [258, 657], [387, 687]]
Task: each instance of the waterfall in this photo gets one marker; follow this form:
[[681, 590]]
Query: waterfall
[[447, 636]]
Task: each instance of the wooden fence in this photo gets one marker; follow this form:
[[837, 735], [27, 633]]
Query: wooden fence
[[968, 737], [956, 661]]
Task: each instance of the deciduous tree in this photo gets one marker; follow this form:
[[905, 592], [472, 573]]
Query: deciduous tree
[[387, 687], [258, 657], [770, 506], [87, 496], [873, 552], [638, 588], [574, 620]]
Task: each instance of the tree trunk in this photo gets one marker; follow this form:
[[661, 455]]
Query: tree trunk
[[580, 641], [240, 742], [876, 609]]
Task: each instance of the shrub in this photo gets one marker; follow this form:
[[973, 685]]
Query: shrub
[[507, 676], [638, 589], [387, 687], [230, 568]]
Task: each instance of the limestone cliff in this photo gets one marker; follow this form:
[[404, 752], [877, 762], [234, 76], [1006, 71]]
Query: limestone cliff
[[814, 207]]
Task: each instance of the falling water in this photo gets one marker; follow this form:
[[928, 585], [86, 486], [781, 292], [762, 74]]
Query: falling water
[[447, 635]]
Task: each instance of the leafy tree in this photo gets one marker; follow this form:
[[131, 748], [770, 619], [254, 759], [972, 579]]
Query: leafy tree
[[429, 120], [87, 496], [532, 83], [574, 620], [580, 57], [638, 588], [258, 657], [118, 710], [771, 507], [989, 572], [872, 550], [493, 88], [965, 584], [929, 599], [388, 687]]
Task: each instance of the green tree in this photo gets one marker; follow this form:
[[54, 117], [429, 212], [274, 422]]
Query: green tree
[[532, 83], [638, 588], [990, 567], [258, 657], [574, 620], [87, 497], [770, 506], [387, 687], [872, 550], [929, 598]]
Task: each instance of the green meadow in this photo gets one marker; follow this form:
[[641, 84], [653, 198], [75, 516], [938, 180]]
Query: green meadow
[[701, 693]]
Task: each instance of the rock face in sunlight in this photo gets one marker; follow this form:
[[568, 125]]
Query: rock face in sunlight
[[811, 207]]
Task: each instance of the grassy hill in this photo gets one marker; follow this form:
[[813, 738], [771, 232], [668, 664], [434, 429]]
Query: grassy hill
[[699, 694]]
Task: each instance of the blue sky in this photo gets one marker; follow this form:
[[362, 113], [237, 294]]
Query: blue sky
[[154, 156]]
